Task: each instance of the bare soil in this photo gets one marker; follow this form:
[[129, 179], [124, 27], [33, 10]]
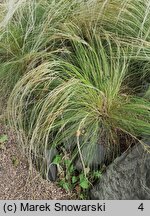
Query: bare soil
[[16, 182]]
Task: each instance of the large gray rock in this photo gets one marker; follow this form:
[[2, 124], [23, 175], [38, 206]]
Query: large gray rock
[[45, 164], [51, 173], [128, 177], [92, 158]]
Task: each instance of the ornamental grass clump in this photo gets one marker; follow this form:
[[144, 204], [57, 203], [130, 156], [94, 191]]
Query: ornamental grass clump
[[84, 91], [77, 77]]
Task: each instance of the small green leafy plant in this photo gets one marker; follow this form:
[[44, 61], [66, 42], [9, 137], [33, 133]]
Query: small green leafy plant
[[72, 180], [3, 140], [15, 160]]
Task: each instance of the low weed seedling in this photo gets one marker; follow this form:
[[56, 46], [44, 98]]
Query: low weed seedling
[[3, 140], [72, 180]]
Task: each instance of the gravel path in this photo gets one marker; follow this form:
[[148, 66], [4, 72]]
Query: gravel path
[[16, 182]]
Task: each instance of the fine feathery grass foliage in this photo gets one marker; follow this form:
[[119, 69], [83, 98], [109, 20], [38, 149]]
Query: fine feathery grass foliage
[[28, 37], [77, 74], [55, 102], [33, 30]]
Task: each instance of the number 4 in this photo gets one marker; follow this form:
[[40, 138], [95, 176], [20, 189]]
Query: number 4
[[141, 207]]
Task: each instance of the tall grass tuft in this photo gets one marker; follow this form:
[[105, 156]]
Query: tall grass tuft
[[86, 90], [77, 75]]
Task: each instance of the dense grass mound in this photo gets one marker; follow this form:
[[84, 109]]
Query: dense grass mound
[[78, 73]]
